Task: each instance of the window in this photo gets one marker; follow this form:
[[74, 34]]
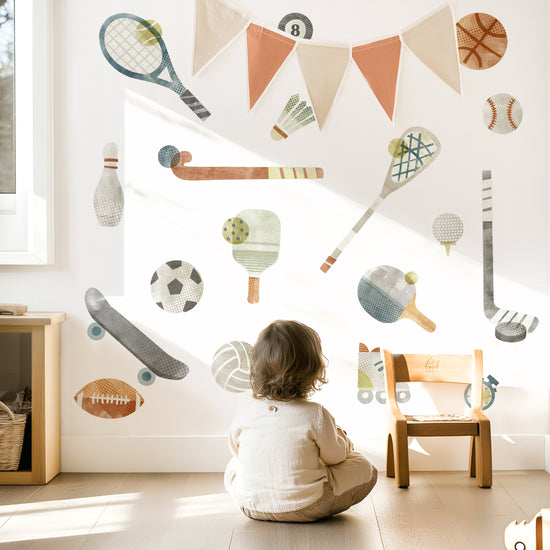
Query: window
[[26, 148]]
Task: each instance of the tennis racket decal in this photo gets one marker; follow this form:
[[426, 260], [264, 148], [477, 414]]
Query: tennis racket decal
[[239, 172], [388, 295], [412, 153], [510, 326], [135, 48]]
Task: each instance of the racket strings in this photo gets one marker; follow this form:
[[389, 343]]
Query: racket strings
[[418, 153], [125, 48]]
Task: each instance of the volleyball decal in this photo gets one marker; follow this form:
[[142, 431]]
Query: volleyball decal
[[231, 366], [447, 228], [176, 286], [502, 113]]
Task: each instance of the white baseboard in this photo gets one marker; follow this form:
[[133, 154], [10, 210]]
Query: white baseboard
[[211, 453]]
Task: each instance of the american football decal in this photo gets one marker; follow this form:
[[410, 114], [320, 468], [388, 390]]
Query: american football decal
[[109, 398]]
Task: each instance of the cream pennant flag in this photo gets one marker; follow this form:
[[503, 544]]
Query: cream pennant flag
[[267, 50], [433, 41], [216, 25], [323, 68], [379, 64]]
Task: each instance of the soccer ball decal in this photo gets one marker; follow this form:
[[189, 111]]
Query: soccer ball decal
[[176, 286]]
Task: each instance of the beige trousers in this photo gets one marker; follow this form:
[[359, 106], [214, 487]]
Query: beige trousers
[[349, 482]]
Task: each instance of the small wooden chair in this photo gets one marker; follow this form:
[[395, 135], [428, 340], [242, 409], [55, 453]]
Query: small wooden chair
[[462, 369]]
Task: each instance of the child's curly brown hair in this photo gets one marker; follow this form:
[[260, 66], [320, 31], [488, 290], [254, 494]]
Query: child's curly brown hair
[[287, 362]]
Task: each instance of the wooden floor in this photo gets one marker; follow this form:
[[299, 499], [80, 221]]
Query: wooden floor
[[441, 510]]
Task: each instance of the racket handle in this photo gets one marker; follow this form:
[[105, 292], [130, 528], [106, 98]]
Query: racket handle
[[253, 290], [329, 262], [195, 105], [411, 312]]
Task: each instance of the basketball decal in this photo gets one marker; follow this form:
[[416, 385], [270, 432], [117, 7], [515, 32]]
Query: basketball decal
[[297, 25], [482, 41], [231, 366], [176, 286], [502, 113]]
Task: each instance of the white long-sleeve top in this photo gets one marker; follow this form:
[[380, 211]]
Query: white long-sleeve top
[[280, 450]]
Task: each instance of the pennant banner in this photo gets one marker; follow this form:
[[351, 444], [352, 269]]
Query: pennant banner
[[216, 25], [323, 68], [379, 64], [433, 41], [267, 51]]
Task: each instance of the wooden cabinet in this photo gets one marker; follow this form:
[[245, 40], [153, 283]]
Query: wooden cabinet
[[42, 334]]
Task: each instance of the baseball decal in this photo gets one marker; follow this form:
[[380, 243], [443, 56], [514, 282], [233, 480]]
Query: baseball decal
[[481, 39], [176, 286], [502, 113]]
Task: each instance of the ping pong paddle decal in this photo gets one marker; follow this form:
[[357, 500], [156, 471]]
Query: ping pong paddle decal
[[387, 295], [260, 250]]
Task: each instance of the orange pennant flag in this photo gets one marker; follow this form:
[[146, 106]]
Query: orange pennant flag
[[379, 64], [267, 50]]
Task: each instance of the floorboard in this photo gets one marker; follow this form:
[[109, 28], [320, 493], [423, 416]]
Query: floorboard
[[192, 511]]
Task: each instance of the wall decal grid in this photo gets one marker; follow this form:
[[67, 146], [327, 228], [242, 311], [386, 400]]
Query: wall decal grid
[[134, 47]]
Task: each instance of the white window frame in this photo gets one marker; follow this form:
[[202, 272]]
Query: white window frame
[[26, 217]]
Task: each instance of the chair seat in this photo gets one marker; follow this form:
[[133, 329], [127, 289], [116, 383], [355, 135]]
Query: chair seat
[[440, 425]]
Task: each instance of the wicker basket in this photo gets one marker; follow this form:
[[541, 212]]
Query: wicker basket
[[12, 429]]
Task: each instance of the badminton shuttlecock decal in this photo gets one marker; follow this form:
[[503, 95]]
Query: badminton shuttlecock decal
[[295, 115]]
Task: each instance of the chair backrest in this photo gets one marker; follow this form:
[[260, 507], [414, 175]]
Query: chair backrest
[[412, 367]]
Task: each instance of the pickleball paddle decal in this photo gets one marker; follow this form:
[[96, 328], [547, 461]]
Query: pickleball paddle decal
[[388, 295], [135, 341], [412, 153], [239, 172], [135, 48], [260, 249], [510, 326]]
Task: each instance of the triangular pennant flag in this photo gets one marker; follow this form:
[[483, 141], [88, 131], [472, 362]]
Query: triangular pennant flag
[[266, 52], [433, 41], [379, 63], [323, 68], [216, 25]]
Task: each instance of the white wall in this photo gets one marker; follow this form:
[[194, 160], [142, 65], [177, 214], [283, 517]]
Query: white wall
[[183, 423]]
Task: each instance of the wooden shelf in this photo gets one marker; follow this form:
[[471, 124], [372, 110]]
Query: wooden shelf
[[44, 329]]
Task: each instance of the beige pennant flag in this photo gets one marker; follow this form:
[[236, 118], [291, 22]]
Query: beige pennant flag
[[216, 25], [433, 41], [323, 68]]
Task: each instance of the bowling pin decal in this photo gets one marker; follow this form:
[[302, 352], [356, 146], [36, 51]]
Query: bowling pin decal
[[108, 196]]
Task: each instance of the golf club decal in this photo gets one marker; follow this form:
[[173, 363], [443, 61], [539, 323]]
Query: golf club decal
[[135, 341], [388, 295], [510, 326]]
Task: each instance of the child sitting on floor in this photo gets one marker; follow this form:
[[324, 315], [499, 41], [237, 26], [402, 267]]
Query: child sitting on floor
[[291, 461]]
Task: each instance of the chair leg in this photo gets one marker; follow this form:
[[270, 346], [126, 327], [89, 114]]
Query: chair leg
[[484, 461], [401, 454], [472, 457], [390, 466]]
